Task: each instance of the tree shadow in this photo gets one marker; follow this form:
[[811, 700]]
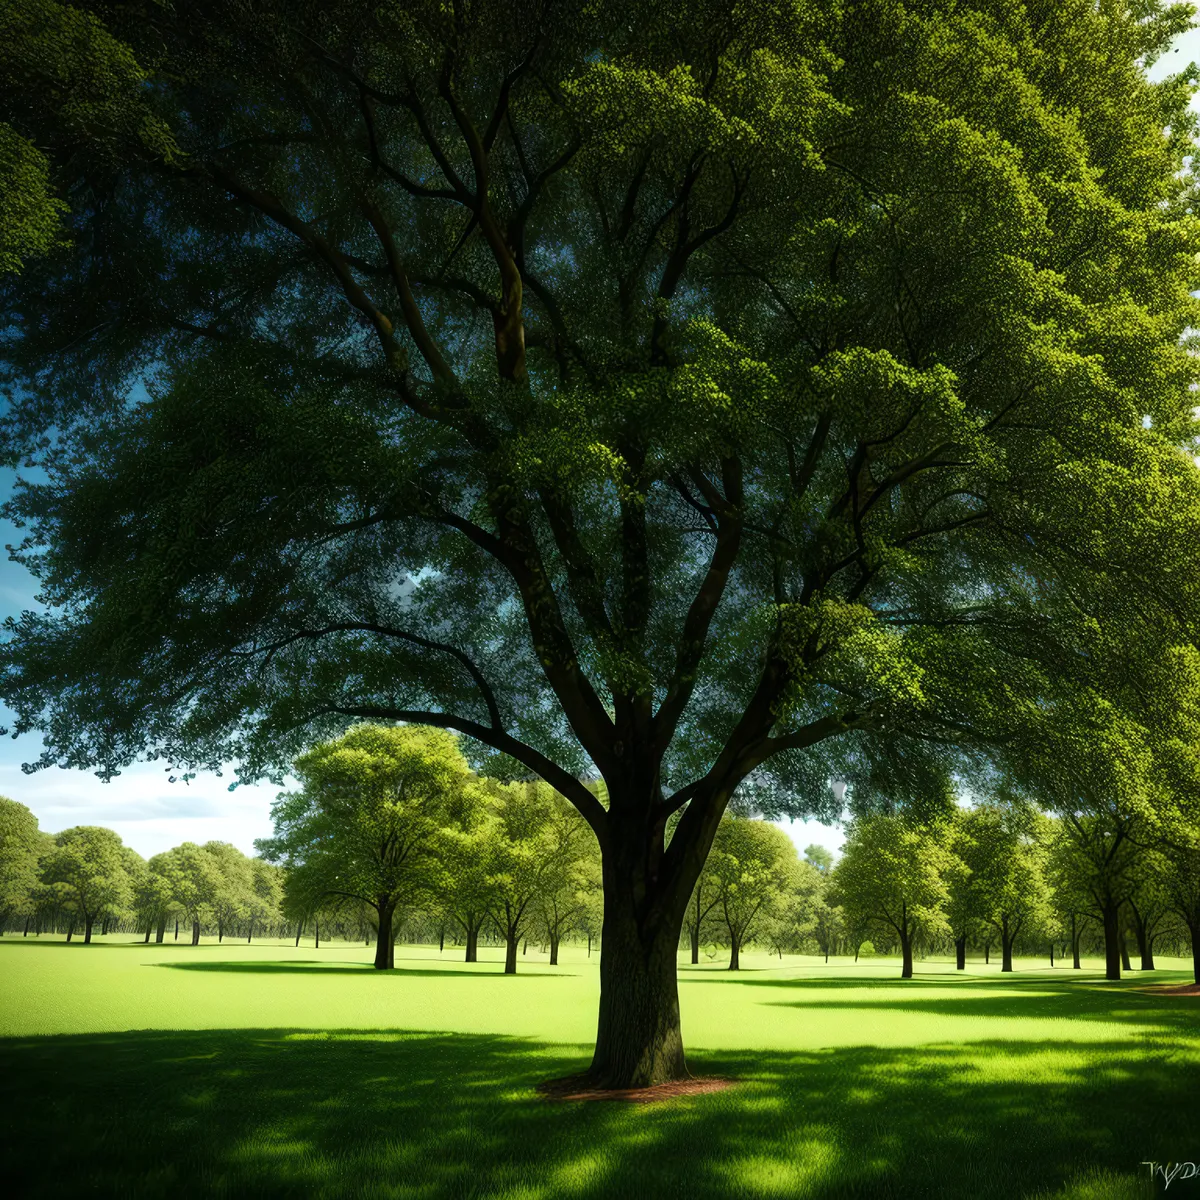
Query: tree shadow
[[277, 1113], [316, 967]]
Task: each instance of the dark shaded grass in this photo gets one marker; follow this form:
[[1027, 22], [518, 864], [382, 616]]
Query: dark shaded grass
[[233, 1113]]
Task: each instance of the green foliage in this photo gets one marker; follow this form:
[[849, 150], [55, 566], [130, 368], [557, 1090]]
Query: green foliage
[[365, 823], [66, 83], [87, 873], [21, 845], [892, 877]]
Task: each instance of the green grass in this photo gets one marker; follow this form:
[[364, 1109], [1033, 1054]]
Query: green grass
[[271, 1070]]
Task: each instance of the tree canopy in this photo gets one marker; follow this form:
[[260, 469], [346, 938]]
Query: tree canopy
[[757, 394]]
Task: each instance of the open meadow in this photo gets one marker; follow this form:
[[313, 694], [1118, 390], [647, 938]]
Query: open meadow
[[275, 1070]]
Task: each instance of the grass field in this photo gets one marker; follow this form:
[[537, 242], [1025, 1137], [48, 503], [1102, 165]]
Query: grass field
[[272, 1070]]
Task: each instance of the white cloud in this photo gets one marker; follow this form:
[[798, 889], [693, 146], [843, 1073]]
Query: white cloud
[[149, 813]]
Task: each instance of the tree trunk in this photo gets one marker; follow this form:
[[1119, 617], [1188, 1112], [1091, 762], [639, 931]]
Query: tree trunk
[[695, 931], [317, 934], [70, 929], [161, 931], [1006, 945], [554, 950], [441, 939], [149, 930], [299, 931], [1148, 955], [734, 947], [960, 954], [1126, 965], [1194, 930], [195, 932], [1052, 952], [1112, 951], [987, 949], [250, 932], [510, 952], [638, 1038], [26, 933], [177, 929], [472, 943], [906, 962], [1074, 944], [87, 930], [590, 945], [220, 932], [385, 948], [1142, 935]]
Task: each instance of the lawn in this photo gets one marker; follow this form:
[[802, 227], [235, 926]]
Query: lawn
[[274, 1070]]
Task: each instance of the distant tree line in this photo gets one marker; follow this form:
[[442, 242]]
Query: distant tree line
[[392, 837]]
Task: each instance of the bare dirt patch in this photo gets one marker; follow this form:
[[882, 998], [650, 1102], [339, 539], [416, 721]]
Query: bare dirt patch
[[1182, 989], [579, 1087]]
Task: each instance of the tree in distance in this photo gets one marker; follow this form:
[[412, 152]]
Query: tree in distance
[[87, 874], [754, 870], [819, 857], [1004, 853], [365, 823], [21, 847], [196, 882], [718, 448], [891, 877]]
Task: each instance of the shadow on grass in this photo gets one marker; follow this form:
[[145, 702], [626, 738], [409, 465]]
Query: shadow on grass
[[315, 967], [347, 1114]]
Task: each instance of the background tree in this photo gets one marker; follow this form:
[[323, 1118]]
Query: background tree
[[964, 902], [153, 896], [21, 844], [1096, 858], [728, 449], [754, 867], [1149, 904], [1006, 858], [572, 877], [819, 857], [891, 877], [364, 825], [232, 902], [1181, 880], [463, 883], [87, 874], [196, 883], [266, 895]]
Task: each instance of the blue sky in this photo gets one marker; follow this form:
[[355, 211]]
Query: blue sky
[[152, 814]]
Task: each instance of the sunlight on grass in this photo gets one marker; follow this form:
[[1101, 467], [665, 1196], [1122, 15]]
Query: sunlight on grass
[[255, 1072]]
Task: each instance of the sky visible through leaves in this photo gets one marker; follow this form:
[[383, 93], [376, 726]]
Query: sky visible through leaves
[[152, 814]]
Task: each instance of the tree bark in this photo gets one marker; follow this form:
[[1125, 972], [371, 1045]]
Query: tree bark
[[554, 950], [1125, 963], [149, 930], [906, 961], [70, 929], [987, 948], [510, 952], [734, 947], [695, 931], [638, 1037], [960, 954], [441, 939], [161, 931], [299, 931], [385, 948], [472, 943], [590, 945], [1006, 945], [195, 931], [87, 930], [1194, 930], [1112, 951], [220, 932], [249, 933], [177, 929], [1074, 944]]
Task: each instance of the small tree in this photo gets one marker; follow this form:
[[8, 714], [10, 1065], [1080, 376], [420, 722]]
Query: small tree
[[87, 873], [1006, 857], [892, 877], [364, 825], [231, 904], [266, 895], [21, 845], [754, 868], [196, 882]]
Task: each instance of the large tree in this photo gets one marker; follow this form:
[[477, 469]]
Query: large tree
[[751, 390], [365, 823]]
